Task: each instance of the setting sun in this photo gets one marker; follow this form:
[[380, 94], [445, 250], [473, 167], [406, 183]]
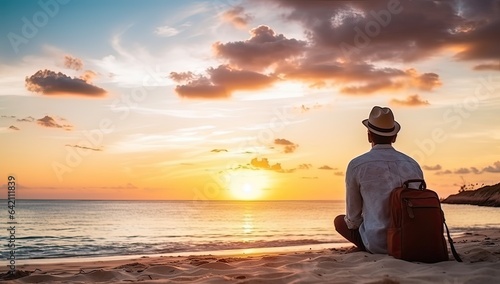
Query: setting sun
[[247, 192], [248, 185]]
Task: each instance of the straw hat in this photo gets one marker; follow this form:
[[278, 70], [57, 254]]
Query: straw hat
[[381, 121]]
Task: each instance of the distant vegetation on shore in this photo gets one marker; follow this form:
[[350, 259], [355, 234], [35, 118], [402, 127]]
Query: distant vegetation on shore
[[485, 196]]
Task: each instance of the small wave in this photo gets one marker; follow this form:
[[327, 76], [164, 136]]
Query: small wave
[[47, 251]]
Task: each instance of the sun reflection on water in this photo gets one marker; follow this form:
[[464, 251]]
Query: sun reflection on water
[[247, 223]]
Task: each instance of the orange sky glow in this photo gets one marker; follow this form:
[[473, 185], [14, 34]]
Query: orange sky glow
[[246, 100]]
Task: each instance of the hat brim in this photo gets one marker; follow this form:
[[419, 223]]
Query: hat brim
[[397, 127]]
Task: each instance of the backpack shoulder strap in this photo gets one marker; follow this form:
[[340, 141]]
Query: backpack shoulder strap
[[452, 247]]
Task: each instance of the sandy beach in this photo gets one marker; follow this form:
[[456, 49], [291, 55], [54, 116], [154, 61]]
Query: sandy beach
[[479, 249]]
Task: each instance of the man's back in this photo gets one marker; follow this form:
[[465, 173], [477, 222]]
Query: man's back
[[370, 178]]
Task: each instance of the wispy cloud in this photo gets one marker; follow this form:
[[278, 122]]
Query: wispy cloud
[[73, 63], [289, 147], [494, 168], [432, 168], [488, 67], [326, 167], [50, 122], [26, 119], [84, 147], [410, 101], [304, 166], [237, 17], [166, 31], [218, 150]]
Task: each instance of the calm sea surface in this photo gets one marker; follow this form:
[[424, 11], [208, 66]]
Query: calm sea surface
[[62, 228]]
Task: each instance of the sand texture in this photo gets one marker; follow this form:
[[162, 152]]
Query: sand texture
[[480, 251]]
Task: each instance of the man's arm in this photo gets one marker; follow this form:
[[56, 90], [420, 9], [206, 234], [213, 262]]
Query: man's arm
[[354, 201]]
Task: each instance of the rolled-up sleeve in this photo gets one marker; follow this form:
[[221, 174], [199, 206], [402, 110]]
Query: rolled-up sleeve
[[354, 201]]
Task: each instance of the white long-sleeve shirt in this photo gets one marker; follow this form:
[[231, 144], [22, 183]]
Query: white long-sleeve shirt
[[370, 178]]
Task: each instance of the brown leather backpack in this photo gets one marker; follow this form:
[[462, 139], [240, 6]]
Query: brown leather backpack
[[416, 229]]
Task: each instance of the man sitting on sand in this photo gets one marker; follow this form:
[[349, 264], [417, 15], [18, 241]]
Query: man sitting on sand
[[370, 178]]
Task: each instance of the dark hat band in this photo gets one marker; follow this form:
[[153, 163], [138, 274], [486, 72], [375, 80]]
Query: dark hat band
[[381, 129]]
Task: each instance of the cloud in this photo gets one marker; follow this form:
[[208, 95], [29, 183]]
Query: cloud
[[432, 168], [276, 167], [372, 87], [410, 101], [305, 108], [73, 63], [12, 127], [325, 167], [446, 172], [495, 168], [88, 76], [339, 173], [51, 83], [237, 17], [352, 45], [462, 171], [220, 83], [289, 147], [180, 77], [165, 31], [318, 60], [49, 122], [84, 147], [218, 150], [202, 88], [26, 119], [263, 49], [475, 170], [304, 166], [488, 66], [264, 164], [234, 79], [349, 44], [367, 31], [424, 82], [359, 78], [396, 81]]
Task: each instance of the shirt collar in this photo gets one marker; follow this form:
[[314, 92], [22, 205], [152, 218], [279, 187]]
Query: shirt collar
[[382, 146]]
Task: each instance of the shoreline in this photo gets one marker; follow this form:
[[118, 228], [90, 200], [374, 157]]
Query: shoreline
[[216, 252], [225, 252], [479, 249]]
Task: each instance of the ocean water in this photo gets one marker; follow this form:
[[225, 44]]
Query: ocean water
[[49, 229]]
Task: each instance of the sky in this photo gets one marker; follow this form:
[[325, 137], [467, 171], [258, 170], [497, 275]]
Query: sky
[[235, 99]]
